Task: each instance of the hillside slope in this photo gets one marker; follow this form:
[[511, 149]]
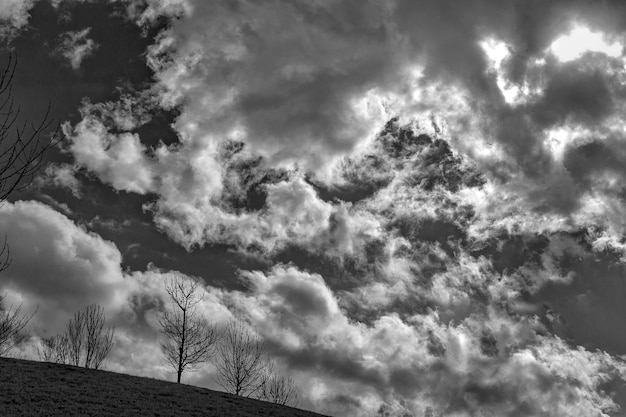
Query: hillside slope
[[44, 389]]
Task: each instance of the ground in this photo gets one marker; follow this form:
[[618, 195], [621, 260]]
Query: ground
[[30, 388]]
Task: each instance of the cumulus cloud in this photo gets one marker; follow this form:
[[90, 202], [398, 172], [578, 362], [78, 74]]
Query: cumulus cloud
[[485, 364], [317, 102], [119, 160], [292, 214], [447, 256], [72, 265], [488, 360], [75, 268], [250, 85]]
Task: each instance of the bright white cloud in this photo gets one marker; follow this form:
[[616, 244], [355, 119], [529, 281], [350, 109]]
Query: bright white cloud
[[581, 40], [514, 93], [293, 214], [119, 160]]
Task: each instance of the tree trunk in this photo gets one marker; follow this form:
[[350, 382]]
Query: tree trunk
[[181, 348]]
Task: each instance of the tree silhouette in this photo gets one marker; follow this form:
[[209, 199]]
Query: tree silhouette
[[12, 322], [242, 362], [189, 338], [278, 389], [54, 349], [86, 341], [22, 144]]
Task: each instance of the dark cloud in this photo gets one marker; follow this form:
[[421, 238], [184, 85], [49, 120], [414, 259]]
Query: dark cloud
[[399, 148], [590, 304], [589, 164], [245, 178], [575, 95], [509, 252]]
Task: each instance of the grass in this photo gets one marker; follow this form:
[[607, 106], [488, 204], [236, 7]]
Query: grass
[[30, 388]]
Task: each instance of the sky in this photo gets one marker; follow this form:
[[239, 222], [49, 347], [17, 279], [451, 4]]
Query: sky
[[418, 205]]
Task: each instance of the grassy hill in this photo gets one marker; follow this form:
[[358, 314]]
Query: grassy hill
[[44, 389]]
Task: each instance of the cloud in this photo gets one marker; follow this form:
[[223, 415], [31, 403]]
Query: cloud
[[316, 104], [13, 16], [581, 40], [517, 373], [61, 176], [425, 306], [118, 160], [238, 80], [488, 361], [73, 266], [148, 12], [75, 46], [292, 214], [416, 180]]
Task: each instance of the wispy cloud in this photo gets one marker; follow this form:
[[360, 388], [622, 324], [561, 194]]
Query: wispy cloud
[[75, 47]]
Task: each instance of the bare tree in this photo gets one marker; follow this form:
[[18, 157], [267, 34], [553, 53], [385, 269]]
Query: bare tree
[[47, 349], [74, 334], [99, 341], [278, 389], [22, 144], [12, 322], [88, 341], [189, 338], [242, 361], [54, 349]]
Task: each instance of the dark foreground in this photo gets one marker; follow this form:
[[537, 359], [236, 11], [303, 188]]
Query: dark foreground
[[44, 389]]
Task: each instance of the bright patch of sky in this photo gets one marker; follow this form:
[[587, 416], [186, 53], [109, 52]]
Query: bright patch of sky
[[497, 52], [581, 40], [558, 139]]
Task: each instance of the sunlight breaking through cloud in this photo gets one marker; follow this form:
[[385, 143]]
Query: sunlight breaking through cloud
[[581, 40]]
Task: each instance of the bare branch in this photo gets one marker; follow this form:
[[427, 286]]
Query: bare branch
[[88, 341], [278, 389], [12, 322], [22, 145], [74, 333], [189, 339], [98, 340], [242, 361], [54, 349], [5, 256]]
